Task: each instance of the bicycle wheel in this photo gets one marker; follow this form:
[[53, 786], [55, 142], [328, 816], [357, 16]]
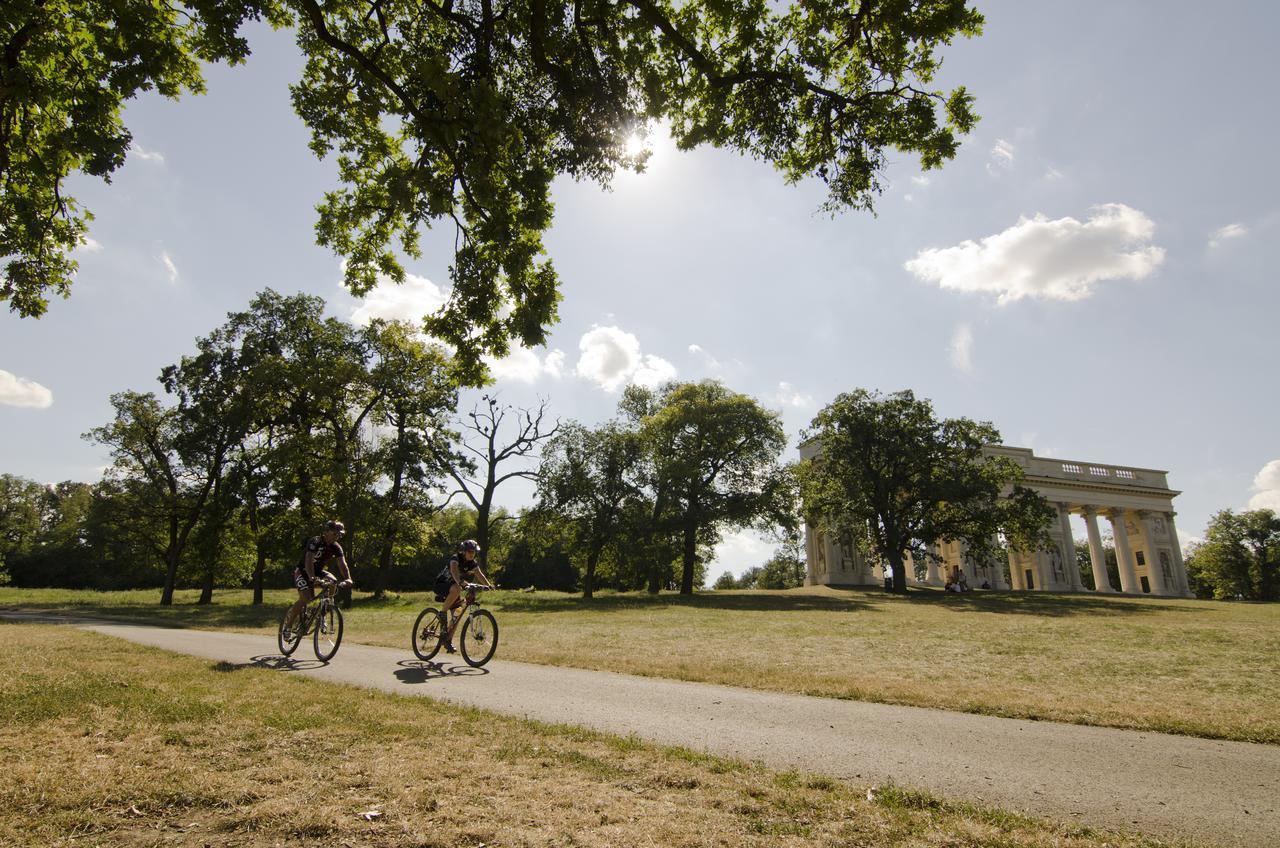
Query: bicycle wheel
[[426, 634], [328, 631], [289, 643], [479, 638]]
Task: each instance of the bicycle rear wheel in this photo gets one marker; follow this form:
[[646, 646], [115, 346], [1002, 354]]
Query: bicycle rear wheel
[[328, 631], [479, 638], [426, 634], [288, 641]]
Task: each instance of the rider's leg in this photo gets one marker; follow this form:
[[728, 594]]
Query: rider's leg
[[455, 595], [304, 598]]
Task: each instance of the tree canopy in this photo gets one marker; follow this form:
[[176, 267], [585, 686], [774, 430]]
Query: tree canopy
[[463, 112], [1239, 558]]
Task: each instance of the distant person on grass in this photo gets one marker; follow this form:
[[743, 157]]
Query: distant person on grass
[[462, 568], [317, 552]]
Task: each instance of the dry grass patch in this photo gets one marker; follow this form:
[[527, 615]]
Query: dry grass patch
[[1199, 668], [108, 743]]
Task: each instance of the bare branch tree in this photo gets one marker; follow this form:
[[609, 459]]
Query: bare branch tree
[[487, 435]]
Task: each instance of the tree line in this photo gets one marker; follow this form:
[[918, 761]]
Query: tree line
[[282, 418]]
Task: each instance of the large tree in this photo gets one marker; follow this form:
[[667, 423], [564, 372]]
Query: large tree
[[892, 476], [716, 459], [465, 111], [498, 442], [586, 479], [170, 484], [1240, 556]]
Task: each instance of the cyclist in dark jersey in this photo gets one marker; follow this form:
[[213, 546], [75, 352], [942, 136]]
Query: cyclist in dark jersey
[[317, 553], [462, 568]]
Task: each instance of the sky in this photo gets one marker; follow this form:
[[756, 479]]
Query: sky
[[1094, 272]]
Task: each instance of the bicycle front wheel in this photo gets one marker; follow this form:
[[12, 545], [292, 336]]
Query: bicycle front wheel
[[479, 638], [328, 631], [426, 634], [288, 640]]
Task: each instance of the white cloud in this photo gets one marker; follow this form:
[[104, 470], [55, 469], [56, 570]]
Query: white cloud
[[1266, 487], [787, 395], [1230, 231], [410, 301], [611, 358], [710, 361], [1002, 156], [554, 363], [146, 155], [88, 245], [525, 365], [169, 267], [653, 372], [1056, 260], [1053, 174], [960, 350], [19, 391], [920, 180]]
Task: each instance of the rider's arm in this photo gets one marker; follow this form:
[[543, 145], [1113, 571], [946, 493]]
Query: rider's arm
[[309, 565], [342, 568], [454, 573], [483, 579]]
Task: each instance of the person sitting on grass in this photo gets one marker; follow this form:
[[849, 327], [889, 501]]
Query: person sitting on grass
[[462, 568]]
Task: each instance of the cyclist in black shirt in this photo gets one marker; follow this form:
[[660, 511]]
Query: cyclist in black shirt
[[317, 553], [462, 568]]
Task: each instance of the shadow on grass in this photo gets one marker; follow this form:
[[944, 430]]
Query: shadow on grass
[[625, 602], [851, 600], [412, 671], [212, 616], [1051, 605]]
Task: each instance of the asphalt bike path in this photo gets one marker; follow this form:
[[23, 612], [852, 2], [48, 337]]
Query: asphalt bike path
[[1171, 787]]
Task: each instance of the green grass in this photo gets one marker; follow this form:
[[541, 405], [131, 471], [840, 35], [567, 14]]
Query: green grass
[[111, 744], [1199, 668]]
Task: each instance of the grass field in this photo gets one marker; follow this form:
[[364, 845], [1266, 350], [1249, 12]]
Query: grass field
[[109, 743], [1191, 667]]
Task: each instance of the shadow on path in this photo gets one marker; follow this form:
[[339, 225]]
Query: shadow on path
[[413, 671], [274, 662]]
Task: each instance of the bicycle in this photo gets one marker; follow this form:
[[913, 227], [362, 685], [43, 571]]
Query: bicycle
[[479, 639], [323, 618]]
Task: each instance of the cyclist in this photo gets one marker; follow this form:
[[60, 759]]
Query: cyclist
[[462, 568], [317, 552]]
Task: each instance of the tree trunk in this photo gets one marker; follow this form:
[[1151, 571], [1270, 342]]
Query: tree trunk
[[260, 566], [655, 567], [589, 579], [384, 568], [171, 555], [899, 572], [206, 591], [689, 557]]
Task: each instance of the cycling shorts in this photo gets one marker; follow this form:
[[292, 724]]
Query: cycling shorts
[[302, 583]]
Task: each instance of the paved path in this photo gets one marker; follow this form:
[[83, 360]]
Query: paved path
[[1219, 793]]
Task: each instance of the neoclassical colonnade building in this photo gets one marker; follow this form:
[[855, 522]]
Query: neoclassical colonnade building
[[1137, 502]]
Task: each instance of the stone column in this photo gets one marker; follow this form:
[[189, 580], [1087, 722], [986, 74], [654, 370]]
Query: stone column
[[1015, 572], [810, 579], [1097, 556], [1155, 575], [995, 569], [1124, 554], [932, 576], [1179, 567], [1069, 563]]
